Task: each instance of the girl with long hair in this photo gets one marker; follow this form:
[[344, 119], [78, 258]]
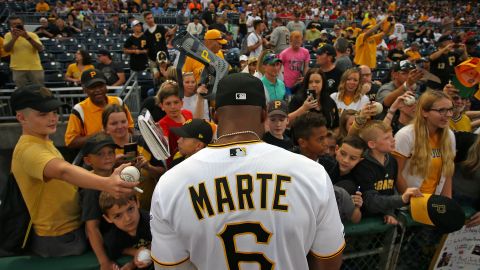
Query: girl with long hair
[[425, 149], [349, 95], [83, 62], [192, 101], [319, 102]]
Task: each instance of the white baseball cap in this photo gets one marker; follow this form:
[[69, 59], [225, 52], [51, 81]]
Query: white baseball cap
[[243, 57], [135, 22]]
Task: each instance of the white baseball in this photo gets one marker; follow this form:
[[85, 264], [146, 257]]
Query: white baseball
[[130, 174], [409, 100], [144, 256], [378, 107]]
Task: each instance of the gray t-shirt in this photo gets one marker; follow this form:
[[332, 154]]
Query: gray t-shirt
[[280, 38], [296, 26], [343, 63], [384, 91]]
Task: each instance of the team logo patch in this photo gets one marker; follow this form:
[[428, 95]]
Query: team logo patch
[[238, 152], [240, 96]]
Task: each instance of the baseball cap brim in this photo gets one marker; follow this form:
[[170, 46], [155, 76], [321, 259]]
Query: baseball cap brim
[[222, 41], [278, 112], [419, 211], [273, 61], [94, 81]]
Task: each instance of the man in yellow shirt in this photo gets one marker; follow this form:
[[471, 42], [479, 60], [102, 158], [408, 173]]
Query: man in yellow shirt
[[47, 182], [213, 40], [366, 44], [24, 60], [86, 117]]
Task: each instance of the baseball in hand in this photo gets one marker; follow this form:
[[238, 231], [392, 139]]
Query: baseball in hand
[[409, 100], [131, 174], [144, 256], [378, 107]]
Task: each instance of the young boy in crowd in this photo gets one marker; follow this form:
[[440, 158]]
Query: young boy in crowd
[[348, 153], [377, 172], [277, 122], [131, 231], [172, 104], [194, 135], [99, 154], [48, 183], [310, 132]]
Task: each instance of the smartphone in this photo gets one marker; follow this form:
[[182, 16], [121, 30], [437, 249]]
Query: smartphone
[[390, 18], [130, 151], [19, 26], [420, 65], [312, 93]]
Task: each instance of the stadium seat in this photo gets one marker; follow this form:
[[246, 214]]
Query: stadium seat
[[52, 65], [64, 57], [117, 47], [55, 80], [96, 47], [90, 41], [45, 57], [312, 63], [49, 42], [57, 48], [313, 56], [75, 47]]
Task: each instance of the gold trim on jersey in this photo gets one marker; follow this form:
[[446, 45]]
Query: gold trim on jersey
[[330, 255], [232, 143], [168, 264]]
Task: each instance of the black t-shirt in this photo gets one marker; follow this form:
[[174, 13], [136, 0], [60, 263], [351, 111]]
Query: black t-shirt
[[156, 41], [91, 209], [333, 79], [50, 29], [443, 67], [67, 31], [138, 62], [328, 108], [396, 55], [220, 27], [286, 143], [117, 240], [209, 17], [110, 71]]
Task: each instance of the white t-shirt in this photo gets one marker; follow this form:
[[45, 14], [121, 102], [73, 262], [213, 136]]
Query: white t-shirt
[[250, 20], [404, 143], [190, 103], [252, 39], [243, 198], [352, 106]]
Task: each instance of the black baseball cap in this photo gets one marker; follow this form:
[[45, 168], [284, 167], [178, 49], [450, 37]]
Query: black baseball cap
[[104, 52], [34, 96], [279, 107], [240, 89], [97, 142], [328, 49], [91, 77], [195, 128], [439, 211], [403, 65]]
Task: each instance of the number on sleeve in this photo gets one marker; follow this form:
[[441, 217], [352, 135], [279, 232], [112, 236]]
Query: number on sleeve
[[234, 258]]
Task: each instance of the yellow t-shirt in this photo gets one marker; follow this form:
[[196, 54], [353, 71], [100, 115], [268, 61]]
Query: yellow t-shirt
[[366, 50], [392, 6], [371, 21], [23, 55], [192, 65], [74, 72], [42, 7], [434, 173], [57, 210], [92, 114], [461, 124]]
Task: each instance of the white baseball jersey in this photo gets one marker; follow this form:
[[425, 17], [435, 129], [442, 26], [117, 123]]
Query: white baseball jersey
[[248, 205]]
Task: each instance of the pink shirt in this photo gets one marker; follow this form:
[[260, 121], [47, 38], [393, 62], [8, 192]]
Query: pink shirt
[[293, 64]]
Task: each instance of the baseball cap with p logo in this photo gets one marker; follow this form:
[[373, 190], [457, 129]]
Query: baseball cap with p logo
[[277, 107], [91, 77], [439, 211]]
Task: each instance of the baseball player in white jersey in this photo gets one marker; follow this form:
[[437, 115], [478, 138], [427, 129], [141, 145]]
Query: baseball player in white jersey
[[243, 204]]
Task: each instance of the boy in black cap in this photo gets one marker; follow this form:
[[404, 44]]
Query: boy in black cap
[[194, 135], [277, 122], [86, 117], [113, 72], [242, 186], [48, 183], [99, 153], [136, 47]]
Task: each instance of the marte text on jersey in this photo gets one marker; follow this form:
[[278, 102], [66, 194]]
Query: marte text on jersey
[[244, 197]]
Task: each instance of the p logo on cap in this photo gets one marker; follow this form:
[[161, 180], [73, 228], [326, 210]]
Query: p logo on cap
[[92, 74], [439, 211]]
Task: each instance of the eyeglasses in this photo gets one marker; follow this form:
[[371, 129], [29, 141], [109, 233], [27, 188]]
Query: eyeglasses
[[443, 111]]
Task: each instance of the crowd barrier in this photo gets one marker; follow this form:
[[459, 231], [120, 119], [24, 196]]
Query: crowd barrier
[[371, 245]]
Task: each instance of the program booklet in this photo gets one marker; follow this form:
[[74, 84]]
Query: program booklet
[[153, 136]]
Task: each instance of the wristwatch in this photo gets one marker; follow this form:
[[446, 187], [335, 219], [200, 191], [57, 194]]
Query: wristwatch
[[361, 120]]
